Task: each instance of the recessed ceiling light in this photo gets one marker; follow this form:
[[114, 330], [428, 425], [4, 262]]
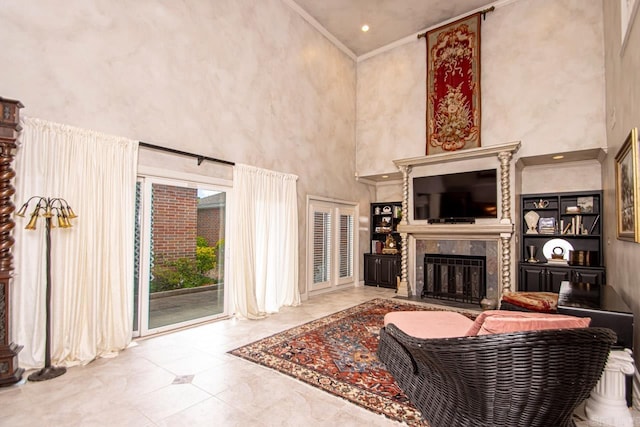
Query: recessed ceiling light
[[365, 28], [385, 176], [558, 157]]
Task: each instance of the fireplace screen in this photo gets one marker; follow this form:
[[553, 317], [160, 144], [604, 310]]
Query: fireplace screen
[[454, 277]]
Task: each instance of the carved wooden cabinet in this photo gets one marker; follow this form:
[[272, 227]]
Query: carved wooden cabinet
[[10, 373]]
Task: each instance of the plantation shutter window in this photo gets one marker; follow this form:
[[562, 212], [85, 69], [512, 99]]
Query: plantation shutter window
[[331, 245], [321, 247], [346, 245]]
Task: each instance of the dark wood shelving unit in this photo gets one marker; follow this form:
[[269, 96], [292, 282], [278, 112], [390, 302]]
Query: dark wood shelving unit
[[380, 268], [580, 228]]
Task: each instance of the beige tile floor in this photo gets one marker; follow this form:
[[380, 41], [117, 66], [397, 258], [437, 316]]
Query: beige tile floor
[[186, 378]]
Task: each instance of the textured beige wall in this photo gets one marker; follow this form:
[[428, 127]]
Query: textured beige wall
[[570, 176], [542, 84], [391, 108], [250, 81], [244, 80], [623, 113]]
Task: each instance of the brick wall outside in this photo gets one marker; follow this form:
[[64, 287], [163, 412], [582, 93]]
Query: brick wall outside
[[174, 222], [211, 224]]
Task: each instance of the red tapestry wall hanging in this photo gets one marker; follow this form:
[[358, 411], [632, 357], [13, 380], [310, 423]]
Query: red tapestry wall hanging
[[453, 86]]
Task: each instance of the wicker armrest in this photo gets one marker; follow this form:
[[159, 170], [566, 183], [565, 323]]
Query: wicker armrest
[[533, 378], [391, 347]]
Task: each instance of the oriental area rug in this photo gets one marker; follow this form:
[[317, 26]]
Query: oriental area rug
[[337, 354]]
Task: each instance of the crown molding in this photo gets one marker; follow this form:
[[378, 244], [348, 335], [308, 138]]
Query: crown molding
[[414, 37], [322, 30]]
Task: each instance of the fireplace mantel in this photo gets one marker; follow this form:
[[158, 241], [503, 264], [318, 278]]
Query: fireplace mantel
[[456, 231], [456, 156], [502, 230]]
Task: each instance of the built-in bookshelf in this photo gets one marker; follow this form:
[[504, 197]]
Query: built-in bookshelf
[[381, 265], [561, 239]]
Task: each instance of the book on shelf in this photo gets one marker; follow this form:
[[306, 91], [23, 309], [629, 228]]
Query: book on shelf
[[595, 223], [547, 225], [577, 226]]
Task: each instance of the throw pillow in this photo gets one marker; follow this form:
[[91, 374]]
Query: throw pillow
[[498, 322]]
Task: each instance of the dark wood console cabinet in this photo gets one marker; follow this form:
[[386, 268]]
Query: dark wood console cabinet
[[381, 270], [545, 278], [606, 309]]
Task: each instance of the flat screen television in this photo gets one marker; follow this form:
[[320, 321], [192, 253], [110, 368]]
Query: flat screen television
[[455, 196]]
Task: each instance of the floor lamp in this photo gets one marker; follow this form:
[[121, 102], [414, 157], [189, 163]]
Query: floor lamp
[[47, 208]]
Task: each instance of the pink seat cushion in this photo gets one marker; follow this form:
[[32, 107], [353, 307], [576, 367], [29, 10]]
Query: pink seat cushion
[[499, 322], [429, 324]]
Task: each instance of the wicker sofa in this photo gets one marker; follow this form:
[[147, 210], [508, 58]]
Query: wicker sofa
[[529, 378]]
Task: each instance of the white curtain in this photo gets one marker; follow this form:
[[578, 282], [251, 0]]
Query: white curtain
[[91, 262], [263, 241]]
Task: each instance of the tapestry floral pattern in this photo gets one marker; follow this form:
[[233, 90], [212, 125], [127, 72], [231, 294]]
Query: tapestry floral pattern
[[453, 86]]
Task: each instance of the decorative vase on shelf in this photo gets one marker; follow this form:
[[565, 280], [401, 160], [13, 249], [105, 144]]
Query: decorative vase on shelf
[[531, 219]]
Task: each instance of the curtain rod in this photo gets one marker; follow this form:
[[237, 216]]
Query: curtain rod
[[482, 12], [184, 153]]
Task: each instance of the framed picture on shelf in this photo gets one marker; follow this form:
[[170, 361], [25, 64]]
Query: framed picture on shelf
[[585, 204], [627, 189]]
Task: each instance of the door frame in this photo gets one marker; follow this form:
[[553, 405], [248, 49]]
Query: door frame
[[147, 177], [335, 206]]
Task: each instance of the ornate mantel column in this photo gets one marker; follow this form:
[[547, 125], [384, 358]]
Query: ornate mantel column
[[403, 288], [10, 373], [505, 217]]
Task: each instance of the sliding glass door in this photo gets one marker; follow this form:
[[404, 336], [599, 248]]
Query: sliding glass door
[[180, 255]]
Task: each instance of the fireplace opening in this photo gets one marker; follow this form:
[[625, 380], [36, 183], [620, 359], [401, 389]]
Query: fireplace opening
[[454, 277]]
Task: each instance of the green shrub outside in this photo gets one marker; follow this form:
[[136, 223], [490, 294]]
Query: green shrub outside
[[185, 272], [205, 258]]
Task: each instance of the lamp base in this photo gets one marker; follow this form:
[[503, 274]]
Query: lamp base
[[47, 373]]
